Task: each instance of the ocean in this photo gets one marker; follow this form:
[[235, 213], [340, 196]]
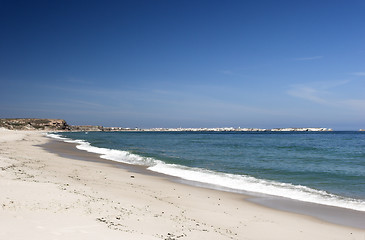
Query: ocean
[[319, 167]]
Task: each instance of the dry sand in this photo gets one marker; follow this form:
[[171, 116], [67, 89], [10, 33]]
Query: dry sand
[[46, 196]]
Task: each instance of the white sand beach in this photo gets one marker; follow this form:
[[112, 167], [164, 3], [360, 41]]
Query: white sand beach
[[46, 196]]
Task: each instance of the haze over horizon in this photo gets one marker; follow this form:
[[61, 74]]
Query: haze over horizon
[[260, 64]]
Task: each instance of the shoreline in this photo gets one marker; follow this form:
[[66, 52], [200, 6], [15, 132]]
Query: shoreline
[[330, 214], [51, 196]]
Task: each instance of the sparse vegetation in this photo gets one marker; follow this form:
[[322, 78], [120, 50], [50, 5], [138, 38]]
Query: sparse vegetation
[[33, 124]]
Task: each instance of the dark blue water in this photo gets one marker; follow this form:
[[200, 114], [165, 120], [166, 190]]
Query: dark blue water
[[323, 167]]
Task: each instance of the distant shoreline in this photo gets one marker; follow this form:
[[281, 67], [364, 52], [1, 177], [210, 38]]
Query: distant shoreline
[[231, 129], [60, 124], [45, 124]]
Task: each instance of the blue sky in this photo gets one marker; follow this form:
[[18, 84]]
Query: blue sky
[[157, 63]]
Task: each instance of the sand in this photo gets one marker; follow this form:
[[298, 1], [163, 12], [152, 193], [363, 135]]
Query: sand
[[47, 196]]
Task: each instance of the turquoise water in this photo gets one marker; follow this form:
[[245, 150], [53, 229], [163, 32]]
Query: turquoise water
[[320, 167]]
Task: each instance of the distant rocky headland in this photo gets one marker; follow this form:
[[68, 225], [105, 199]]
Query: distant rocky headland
[[61, 125], [46, 124], [34, 124]]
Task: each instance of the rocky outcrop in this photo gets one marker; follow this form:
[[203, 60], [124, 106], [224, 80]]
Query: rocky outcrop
[[34, 124], [86, 128], [46, 124]]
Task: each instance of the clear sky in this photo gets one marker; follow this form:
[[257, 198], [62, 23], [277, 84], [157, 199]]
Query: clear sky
[[262, 64]]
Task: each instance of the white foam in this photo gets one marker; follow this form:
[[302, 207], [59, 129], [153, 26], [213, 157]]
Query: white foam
[[232, 181], [109, 154], [251, 184]]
